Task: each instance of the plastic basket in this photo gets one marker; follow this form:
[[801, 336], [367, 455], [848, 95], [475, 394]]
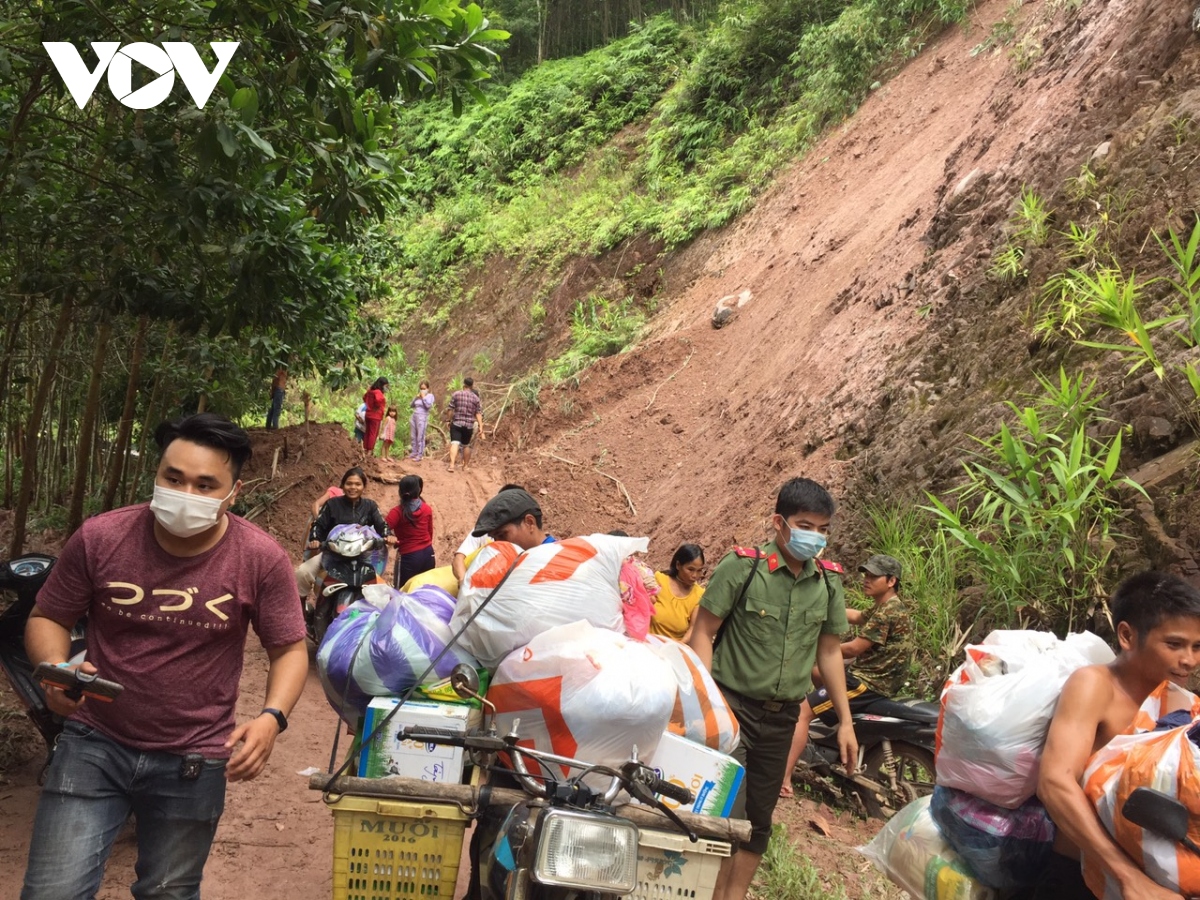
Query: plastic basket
[[671, 866], [395, 849]]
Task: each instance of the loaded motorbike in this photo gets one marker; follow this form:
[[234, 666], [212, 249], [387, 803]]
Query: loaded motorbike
[[350, 561], [24, 577], [896, 740], [552, 836]]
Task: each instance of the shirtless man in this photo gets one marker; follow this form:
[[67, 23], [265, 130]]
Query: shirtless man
[[1157, 621]]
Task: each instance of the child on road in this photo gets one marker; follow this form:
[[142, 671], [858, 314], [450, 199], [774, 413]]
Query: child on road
[[387, 435]]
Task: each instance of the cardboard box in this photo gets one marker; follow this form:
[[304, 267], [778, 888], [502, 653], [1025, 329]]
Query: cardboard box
[[712, 777], [386, 755]]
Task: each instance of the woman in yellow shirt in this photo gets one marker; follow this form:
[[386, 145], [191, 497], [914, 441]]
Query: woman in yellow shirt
[[679, 594]]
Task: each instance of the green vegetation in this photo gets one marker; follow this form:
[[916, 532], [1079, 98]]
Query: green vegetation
[[163, 260], [1080, 303], [1029, 228], [546, 171], [599, 328], [786, 875], [1037, 512]]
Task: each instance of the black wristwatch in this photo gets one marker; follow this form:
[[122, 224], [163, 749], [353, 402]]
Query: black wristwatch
[[280, 718]]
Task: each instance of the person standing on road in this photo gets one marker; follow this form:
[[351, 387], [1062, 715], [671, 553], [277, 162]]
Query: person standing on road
[[466, 416], [376, 406], [387, 435], [278, 393], [767, 614], [169, 589], [421, 405], [412, 524]]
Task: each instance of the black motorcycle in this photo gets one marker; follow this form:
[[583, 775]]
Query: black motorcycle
[[896, 740], [345, 558], [24, 577]]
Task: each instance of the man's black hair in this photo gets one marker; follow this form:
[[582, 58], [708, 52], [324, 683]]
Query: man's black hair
[[512, 487], [1146, 599], [468, 381], [803, 495], [209, 430], [685, 554]]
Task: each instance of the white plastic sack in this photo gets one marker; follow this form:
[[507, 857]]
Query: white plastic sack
[[997, 706], [551, 584], [585, 692], [912, 853], [700, 713]]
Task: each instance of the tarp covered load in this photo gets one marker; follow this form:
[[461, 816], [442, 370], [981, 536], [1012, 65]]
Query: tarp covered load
[[550, 585], [1157, 756], [700, 713], [382, 644], [587, 693]]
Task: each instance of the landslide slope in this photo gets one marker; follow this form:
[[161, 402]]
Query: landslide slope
[[872, 343]]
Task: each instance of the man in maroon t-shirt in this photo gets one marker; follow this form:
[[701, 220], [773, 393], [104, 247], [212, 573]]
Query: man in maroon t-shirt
[[170, 589]]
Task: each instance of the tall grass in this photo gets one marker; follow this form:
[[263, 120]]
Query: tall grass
[[932, 565], [786, 875], [1037, 513]]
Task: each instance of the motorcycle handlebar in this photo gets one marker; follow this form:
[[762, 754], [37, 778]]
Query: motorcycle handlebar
[[676, 792]]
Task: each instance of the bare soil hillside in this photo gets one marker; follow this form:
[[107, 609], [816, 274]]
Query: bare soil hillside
[[872, 343]]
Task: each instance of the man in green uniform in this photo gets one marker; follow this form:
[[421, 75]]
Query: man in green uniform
[[773, 611]]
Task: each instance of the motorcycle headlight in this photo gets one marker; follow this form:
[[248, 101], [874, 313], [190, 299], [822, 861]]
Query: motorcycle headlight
[[587, 851]]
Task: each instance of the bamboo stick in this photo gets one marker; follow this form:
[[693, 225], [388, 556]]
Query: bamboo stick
[[468, 796]]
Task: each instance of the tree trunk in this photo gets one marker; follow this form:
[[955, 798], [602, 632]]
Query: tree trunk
[[83, 450], [120, 453], [33, 427], [151, 411], [541, 40], [202, 405]]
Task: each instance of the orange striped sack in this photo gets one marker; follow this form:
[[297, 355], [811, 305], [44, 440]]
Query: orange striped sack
[[1164, 760], [701, 713]]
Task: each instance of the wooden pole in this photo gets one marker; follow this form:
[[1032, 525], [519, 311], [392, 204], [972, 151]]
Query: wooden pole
[[468, 796]]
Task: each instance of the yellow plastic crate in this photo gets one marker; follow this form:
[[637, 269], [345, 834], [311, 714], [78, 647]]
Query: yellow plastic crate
[[670, 867], [395, 849]]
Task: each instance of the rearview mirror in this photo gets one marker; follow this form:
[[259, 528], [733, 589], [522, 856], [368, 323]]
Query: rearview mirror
[[465, 681], [1159, 813]]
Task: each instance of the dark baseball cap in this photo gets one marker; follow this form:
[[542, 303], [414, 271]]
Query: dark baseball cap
[[506, 506], [882, 565]]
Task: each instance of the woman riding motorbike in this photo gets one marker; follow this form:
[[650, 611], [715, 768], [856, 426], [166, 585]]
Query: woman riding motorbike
[[352, 508]]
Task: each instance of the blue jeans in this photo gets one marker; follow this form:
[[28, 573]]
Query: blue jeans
[[92, 786]]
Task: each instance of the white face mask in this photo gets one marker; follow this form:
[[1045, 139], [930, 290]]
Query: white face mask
[[185, 515]]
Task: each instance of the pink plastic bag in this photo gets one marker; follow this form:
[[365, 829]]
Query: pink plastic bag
[[638, 589]]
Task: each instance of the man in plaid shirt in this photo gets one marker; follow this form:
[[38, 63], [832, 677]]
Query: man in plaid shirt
[[466, 414]]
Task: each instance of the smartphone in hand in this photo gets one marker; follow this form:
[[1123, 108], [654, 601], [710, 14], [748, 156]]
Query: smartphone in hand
[[76, 684]]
